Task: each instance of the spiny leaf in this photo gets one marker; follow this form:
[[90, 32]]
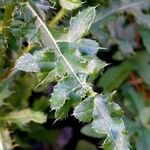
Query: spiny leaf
[[5, 140], [25, 116], [66, 89], [83, 111], [27, 63], [103, 123], [86, 46], [79, 25]]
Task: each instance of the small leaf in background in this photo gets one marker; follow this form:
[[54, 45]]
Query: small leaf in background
[[114, 77], [83, 111], [70, 4], [25, 116], [4, 91], [27, 63], [79, 25]]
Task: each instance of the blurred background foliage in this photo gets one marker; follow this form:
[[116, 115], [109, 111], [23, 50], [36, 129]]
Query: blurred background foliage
[[121, 26]]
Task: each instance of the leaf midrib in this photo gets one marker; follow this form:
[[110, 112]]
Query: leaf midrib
[[55, 46]]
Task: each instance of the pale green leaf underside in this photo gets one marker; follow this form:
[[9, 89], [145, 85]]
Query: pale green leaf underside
[[25, 116]]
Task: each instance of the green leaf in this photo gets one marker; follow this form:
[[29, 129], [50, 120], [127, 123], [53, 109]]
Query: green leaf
[[79, 25], [83, 111], [66, 89], [25, 116], [114, 77], [5, 140], [114, 128]]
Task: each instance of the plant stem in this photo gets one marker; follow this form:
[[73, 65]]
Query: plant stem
[[54, 22]]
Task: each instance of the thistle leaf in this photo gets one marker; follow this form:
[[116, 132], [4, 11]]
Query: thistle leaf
[[79, 25], [103, 123]]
